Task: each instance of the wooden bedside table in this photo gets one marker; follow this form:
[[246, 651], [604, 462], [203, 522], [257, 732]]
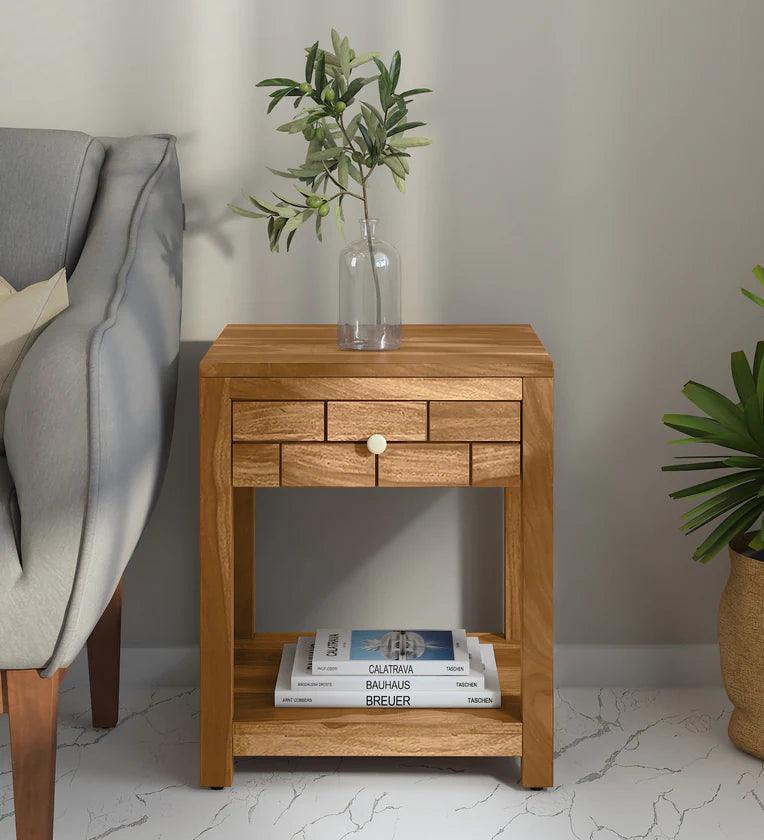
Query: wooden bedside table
[[460, 405]]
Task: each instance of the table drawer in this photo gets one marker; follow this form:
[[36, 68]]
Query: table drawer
[[468, 421], [326, 465], [424, 465], [278, 420], [496, 464], [255, 464], [360, 420]]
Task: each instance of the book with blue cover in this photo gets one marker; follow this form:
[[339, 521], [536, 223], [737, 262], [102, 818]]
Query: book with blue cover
[[391, 653], [303, 678]]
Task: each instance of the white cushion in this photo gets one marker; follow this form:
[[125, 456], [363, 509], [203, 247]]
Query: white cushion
[[23, 316]]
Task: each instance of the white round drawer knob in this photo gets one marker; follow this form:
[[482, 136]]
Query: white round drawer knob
[[376, 444]]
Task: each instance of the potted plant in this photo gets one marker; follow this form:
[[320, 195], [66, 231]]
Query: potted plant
[[737, 494], [343, 153]]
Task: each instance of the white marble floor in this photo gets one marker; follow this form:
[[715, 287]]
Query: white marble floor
[[630, 764]]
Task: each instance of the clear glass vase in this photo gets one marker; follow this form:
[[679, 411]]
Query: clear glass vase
[[370, 293]]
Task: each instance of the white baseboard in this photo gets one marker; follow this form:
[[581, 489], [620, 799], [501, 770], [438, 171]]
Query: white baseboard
[[637, 666], [628, 666]]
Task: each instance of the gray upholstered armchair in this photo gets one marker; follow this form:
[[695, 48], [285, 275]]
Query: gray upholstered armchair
[[89, 420]]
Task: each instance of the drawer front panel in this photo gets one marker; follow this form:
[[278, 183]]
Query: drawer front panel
[[424, 465], [277, 421], [360, 420], [494, 421], [255, 465], [496, 464], [326, 465]]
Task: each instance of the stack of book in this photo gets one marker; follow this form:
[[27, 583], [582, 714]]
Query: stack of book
[[388, 669]]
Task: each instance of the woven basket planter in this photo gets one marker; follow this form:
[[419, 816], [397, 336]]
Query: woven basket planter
[[741, 644]]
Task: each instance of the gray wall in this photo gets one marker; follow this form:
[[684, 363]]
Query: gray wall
[[597, 171]]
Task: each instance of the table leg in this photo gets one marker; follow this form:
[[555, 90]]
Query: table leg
[[244, 562], [216, 548], [513, 563], [537, 608]]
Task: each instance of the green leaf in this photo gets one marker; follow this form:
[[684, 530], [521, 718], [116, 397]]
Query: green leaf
[[742, 376], [744, 462], [370, 118], [275, 227], [355, 173], [383, 82], [248, 213], [757, 543], [689, 424], [339, 216], [716, 483], [395, 117], [294, 126], [290, 238], [758, 371], [395, 164], [328, 136], [282, 174], [364, 58], [716, 405], [395, 70], [399, 182], [712, 508], [342, 171], [736, 523], [295, 221], [410, 142], [326, 154], [360, 140], [405, 127], [310, 61], [758, 367], [336, 41], [701, 465], [288, 201], [354, 87], [318, 227], [278, 82], [414, 92], [754, 297], [758, 273], [366, 137], [376, 112], [320, 71], [276, 99], [263, 205], [344, 56], [353, 126]]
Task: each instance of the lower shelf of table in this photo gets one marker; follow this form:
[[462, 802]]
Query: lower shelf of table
[[259, 728]]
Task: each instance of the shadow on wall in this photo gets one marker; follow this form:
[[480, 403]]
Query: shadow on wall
[[324, 556]]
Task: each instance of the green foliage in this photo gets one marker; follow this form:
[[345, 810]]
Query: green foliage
[[736, 425], [343, 151], [758, 272]]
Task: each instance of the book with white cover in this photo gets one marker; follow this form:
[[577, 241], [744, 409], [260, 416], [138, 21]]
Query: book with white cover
[[391, 653], [489, 697], [303, 677]]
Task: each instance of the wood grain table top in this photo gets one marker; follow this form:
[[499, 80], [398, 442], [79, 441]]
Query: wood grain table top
[[442, 350]]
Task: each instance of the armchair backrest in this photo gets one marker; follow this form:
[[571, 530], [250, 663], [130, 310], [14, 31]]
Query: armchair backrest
[[49, 180]]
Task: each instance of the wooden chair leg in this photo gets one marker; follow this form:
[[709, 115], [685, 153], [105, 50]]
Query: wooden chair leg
[[32, 706], [103, 664]]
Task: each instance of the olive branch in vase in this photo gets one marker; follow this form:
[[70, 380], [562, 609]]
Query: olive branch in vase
[[343, 151]]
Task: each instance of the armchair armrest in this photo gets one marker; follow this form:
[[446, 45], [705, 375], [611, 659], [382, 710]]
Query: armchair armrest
[[90, 414]]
